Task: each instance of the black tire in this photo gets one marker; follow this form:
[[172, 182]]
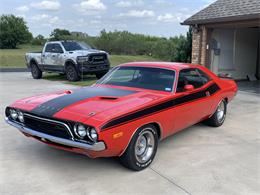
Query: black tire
[[35, 71], [71, 73], [100, 75], [215, 120], [130, 157]]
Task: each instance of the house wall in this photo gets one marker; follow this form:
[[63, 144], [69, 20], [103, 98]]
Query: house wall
[[199, 45], [196, 46]]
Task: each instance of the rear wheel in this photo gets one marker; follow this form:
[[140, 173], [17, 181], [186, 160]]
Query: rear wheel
[[72, 73], [218, 118], [36, 72], [142, 149]]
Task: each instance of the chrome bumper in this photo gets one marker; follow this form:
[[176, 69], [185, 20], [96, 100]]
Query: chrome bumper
[[99, 146]]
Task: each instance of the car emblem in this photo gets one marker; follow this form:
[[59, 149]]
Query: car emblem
[[91, 114]]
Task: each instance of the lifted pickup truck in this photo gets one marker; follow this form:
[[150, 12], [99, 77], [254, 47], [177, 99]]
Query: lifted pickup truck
[[68, 57]]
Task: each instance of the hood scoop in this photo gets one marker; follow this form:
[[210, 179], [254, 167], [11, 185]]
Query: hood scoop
[[108, 98]]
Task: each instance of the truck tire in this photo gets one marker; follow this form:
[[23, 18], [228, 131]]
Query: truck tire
[[100, 75], [36, 72], [71, 73]]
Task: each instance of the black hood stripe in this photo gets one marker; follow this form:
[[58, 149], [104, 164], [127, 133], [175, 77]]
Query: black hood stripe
[[51, 107], [162, 106]]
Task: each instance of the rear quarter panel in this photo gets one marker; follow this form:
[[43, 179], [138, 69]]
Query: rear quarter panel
[[228, 88]]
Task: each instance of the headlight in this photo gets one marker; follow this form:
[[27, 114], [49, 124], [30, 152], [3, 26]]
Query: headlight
[[82, 59], [80, 130], [20, 116], [93, 134], [13, 114]]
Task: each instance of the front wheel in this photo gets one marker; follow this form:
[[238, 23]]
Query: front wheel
[[218, 118], [72, 73], [141, 150]]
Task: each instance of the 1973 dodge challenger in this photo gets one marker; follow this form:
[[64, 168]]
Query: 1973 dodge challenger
[[126, 112]]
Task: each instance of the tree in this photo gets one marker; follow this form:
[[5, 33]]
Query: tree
[[38, 40], [60, 34], [13, 31]]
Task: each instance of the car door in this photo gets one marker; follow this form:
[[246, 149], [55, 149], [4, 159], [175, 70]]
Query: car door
[[191, 106]]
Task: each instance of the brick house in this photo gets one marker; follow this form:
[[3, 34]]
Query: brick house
[[226, 37]]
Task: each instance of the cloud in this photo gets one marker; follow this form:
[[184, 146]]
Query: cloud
[[22, 9], [138, 14], [176, 17], [47, 5], [90, 7], [45, 17], [123, 4]]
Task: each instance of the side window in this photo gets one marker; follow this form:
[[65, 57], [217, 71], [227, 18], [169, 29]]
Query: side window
[[204, 76], [191, 76], [53, 48], [49, 47], [57, 48]]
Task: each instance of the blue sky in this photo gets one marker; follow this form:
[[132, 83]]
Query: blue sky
[[153, 17]]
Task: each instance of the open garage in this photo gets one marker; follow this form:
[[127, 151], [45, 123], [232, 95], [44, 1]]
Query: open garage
[[226, 38]]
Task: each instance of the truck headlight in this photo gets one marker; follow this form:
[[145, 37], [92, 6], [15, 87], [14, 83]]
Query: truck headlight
[[13, 114], [82, 59], [20, 116], [80, 130]]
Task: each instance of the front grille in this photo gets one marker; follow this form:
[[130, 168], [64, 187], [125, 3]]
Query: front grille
[[97, 58], [47, 126]]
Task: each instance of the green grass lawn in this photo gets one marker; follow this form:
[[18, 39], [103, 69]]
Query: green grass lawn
[[14, 58]]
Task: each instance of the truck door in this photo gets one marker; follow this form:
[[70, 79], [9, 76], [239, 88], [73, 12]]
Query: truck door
[[53, 57]]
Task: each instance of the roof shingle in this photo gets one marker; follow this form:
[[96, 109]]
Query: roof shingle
[[226, 10]]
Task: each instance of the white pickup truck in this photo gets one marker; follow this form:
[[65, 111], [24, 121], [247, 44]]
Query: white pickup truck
[[68, 57]]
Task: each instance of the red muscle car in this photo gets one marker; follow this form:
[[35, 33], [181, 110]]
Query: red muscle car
[[126, 112]]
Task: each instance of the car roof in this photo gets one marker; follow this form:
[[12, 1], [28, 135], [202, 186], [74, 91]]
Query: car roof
[[165, 65]]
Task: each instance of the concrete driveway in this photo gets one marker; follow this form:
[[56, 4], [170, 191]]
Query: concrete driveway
[[198, 160]]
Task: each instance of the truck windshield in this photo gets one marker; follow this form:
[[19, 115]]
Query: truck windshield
[[140, 77], [72, 46]]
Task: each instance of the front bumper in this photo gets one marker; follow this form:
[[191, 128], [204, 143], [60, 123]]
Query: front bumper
[[93, 68], [98, 146]]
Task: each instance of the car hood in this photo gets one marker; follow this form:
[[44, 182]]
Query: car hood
[[98, 103]]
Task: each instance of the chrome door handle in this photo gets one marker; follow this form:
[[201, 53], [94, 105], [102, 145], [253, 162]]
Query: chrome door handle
[[207, 93]]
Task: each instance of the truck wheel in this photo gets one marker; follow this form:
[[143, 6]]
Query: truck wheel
[[141, 149], [36, 72], [72, 73], [218, 118], [100, 75]]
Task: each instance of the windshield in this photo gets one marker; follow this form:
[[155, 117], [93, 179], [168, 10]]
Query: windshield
[[72, 46], [141, 77]]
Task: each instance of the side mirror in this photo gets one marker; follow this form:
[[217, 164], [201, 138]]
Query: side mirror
[[188, 87]]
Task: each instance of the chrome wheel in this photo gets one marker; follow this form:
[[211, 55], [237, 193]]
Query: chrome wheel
[[221, 112], [144, 146]]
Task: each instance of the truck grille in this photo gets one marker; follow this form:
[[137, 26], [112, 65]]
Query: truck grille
[[97, 58], [47, 126]]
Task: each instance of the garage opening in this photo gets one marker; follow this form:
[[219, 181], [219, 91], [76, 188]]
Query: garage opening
[[235, 52]]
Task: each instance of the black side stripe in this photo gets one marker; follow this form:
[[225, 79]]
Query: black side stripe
[[159, 107]]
